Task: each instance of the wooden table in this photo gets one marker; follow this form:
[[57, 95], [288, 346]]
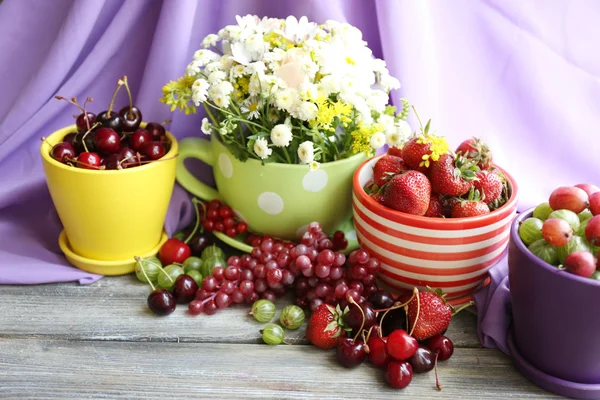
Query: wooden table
[[67, 341]]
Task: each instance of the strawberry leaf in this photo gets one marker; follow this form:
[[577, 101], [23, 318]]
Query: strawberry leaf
[[333, 325]]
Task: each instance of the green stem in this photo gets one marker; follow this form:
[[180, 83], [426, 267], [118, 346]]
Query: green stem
[[197, 225], [139, 261], [287, 155]]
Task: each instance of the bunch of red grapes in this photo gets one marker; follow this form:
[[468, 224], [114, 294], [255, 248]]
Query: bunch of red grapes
[[111, 140], [315, 269], [218, 217]]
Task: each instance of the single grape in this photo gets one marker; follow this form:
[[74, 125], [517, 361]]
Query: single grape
[[569, 198], [272, 334], [247, 287], [195, 307], [263, 310], [147, 268], [237, 296], [544, 251], [292, 317], [581, 263], [231, 273], [542, 211], [222, 300], [557, 231], [530, 230], [209, 283], [569, 216], [268, 295], [168, 275]]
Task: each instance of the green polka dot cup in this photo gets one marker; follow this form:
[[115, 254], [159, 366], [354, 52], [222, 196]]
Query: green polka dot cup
[[274, 199]]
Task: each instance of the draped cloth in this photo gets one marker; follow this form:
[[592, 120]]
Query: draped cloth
[[521, 75]]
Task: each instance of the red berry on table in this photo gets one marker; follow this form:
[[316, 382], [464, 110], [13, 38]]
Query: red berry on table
[[377, 353], [400, 345], [558, 232], [434, 316], [398, 374], [161, 302], [325, 326], [185, 289], [475, 149], [88, 160], [442, 345], [581, 263], [174, 251], [452, 176], [423, 360], [386, 167], [408, 192], [350, 353], [569, 198]]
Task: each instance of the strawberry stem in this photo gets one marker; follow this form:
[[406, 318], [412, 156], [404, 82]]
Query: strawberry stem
[[469, 304]]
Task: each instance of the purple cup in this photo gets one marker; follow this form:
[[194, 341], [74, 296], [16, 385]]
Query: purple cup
[[556, 321]]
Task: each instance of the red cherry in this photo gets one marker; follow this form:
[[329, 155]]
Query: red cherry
[[377, 352], [400, 345], [441, 344], [174, 251], [225, 212], [139, 138], [398, 374], [156, 130], [242, 227], [88, 160], [153, 150], [107, 140], [62, 152], [82, 126]]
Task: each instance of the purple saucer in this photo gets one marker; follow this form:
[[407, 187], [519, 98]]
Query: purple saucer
[[553, 384]]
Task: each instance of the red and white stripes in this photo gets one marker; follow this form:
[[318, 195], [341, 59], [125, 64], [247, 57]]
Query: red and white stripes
[[453, 254]]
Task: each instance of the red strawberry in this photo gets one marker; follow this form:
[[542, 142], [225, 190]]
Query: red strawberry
[[395, 151], [414, 150], [326, 326], [378, 197], [489, 184], [434, 316], [477, 150], [386, 167], [435, 209], [469, 208], [451, 175], [408, 192]]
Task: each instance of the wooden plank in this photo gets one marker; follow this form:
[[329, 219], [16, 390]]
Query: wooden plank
[[114, 308], [81, 370]]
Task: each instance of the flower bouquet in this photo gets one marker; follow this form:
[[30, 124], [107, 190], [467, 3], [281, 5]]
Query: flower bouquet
[[291, 91]]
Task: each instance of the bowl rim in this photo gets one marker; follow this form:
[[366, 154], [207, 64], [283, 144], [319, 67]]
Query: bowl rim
[[397, 216], [48, 143], [516, 239]]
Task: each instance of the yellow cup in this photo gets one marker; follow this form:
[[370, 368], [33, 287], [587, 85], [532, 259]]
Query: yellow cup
[[110, 215]]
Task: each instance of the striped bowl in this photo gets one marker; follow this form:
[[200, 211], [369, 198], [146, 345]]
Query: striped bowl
[[453, 254]]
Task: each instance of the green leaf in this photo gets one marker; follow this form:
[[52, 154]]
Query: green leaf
[[333, 325], [426, 130]]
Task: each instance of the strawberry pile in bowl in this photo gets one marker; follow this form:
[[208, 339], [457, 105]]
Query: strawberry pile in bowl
[[432, 216]]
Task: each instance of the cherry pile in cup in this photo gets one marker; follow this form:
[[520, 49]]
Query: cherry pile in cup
[[111, 140]]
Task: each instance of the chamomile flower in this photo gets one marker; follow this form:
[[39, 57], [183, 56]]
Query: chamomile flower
[[200, 91], [307, 111], [281, 135], [216, 76], [286, 99], [377, 140], [204, 56], [314, 165], [206, 127], [251, 107], [306, 152], [209, 41], [403, 129], [261, 148]]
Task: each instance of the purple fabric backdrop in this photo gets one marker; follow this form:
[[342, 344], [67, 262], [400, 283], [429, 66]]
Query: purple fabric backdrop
[[523, 76]]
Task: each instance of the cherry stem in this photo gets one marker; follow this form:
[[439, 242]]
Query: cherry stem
[[139, 261], [396, 306], [165, 272], [86, 133], [166, 122], [362, 324], [365, 340], [197, 225], [124, 79], [140, 162], [90, 166], [469, 304], [114, 96], [437, 380], [85, 116], [418, 314], [369, 334], [72, 101]]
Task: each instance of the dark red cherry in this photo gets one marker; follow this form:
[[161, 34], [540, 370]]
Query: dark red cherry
[[199, 242], [349, 352], [153, 150], [395, 319], [88, 160], [398, 374], [139, 138], [112, 121], [90, 143], [62, 152], [82, 126], [131, 118], [161, 302], [354, 317], [112, 161], [422, 361], [441, 344], [185, 289], [156, 130], [69, 137], [107, 140]]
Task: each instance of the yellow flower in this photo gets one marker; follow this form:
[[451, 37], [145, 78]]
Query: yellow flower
[[362, 138], [328, 110], [438, 146]]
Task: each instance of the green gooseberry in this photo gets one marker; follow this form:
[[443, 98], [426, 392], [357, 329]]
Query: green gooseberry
[[292, 317], [530, 230], [545, 251], [263, 310], [585, 215], [196, 275], [168, 275], [147, 268], [192, 263], [272, 334], [542, 211], [576, 243]]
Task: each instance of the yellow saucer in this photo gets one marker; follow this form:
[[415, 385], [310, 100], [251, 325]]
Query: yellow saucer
[[118, 267]]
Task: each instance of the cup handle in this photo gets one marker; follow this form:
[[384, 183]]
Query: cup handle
[[200, 149]]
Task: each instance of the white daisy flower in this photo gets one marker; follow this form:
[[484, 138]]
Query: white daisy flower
[[204, 56], [307, 111], [193, 68], [238, 71], [377, 140], [314, 165], [261, 148], [281, 135], [306, 152], [206, 127], [298, 30], [210, 40], [200, 91], [252, 106], [217, 76], [286, 99]]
